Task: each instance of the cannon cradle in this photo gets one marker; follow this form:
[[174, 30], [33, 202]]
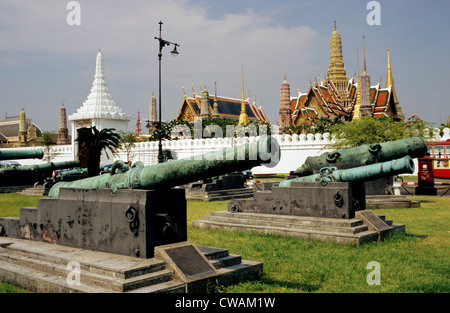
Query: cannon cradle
[[179, 172], [365, 154]]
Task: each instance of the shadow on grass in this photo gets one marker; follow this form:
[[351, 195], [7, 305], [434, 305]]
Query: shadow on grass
[[263, 282], [288, 285], [403, 237]]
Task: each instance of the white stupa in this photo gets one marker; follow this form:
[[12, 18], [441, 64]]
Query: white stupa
[[99, 109]]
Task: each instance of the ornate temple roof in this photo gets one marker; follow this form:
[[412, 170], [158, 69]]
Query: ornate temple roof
[[227, 107], [339, 96], [99, 103]]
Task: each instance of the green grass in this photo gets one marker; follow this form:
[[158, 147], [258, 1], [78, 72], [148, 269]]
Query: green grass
[[415, 262]]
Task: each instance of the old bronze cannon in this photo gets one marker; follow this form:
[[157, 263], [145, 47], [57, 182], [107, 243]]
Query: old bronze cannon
[[30, 174], [130, 210], [366, 154], [331, 193], [21, 154], [357, 174], [179, 172]]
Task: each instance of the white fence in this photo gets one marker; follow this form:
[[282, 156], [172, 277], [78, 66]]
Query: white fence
[[294, 150]]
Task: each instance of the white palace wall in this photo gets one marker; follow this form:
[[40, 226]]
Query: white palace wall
[[294, 150]]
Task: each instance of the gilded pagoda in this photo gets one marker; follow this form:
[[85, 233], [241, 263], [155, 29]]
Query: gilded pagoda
[[339, 95]]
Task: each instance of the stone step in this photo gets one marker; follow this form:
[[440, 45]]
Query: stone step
[[392, 205], [40, 282], [88, 278], [219, 257], [91, 279], [33, 191], [350, 231], [42, 267], [390, 202], [316, 226], [110, 265], [173, 286], [292, 232], [291, 219]]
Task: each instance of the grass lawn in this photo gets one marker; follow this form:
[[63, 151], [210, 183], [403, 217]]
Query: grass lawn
[[415, 262]]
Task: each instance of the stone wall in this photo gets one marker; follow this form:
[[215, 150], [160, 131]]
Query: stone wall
[[294, 150]]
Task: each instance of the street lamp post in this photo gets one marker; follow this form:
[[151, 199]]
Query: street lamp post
[[174, 52]]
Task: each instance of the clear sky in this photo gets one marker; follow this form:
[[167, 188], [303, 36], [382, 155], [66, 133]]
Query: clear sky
[[45, 61]]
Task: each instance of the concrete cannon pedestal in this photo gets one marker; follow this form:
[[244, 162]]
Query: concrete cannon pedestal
[[129, 241]]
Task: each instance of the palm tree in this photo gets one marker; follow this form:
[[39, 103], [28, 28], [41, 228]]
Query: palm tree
[[94, 142]]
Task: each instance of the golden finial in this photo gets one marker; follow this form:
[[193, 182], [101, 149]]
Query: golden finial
[[389, 80], [243, 118], [357, 62], [243, 83], [364, 47], [357, 105]]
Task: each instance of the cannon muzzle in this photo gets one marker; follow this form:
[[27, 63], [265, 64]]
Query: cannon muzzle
[[21, 154], [30, 174], [415, 147], [183, 171], [358, 174]]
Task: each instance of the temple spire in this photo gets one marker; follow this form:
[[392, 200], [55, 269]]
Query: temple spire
[[336, 73], [216, 102], [364, 48], [63, 131], [243, 118], [285, 113], [357, 107], [22, 129], [366, 105], [390, 79]]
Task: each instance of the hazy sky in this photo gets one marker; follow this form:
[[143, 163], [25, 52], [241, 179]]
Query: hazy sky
[[45, 61]]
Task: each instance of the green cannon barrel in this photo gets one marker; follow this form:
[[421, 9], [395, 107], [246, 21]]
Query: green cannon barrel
[[30, 174], [415, 147], [183, 171], [21, 154], [358, 174]]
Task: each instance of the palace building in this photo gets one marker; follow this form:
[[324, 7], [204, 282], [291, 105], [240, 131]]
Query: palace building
[[19, 131], [338, 95], [208, 106]]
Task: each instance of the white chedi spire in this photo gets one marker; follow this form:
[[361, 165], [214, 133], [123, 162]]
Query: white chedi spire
[[99, 103]]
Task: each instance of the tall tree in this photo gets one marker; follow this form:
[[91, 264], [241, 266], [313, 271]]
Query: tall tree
[[95, 141]]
